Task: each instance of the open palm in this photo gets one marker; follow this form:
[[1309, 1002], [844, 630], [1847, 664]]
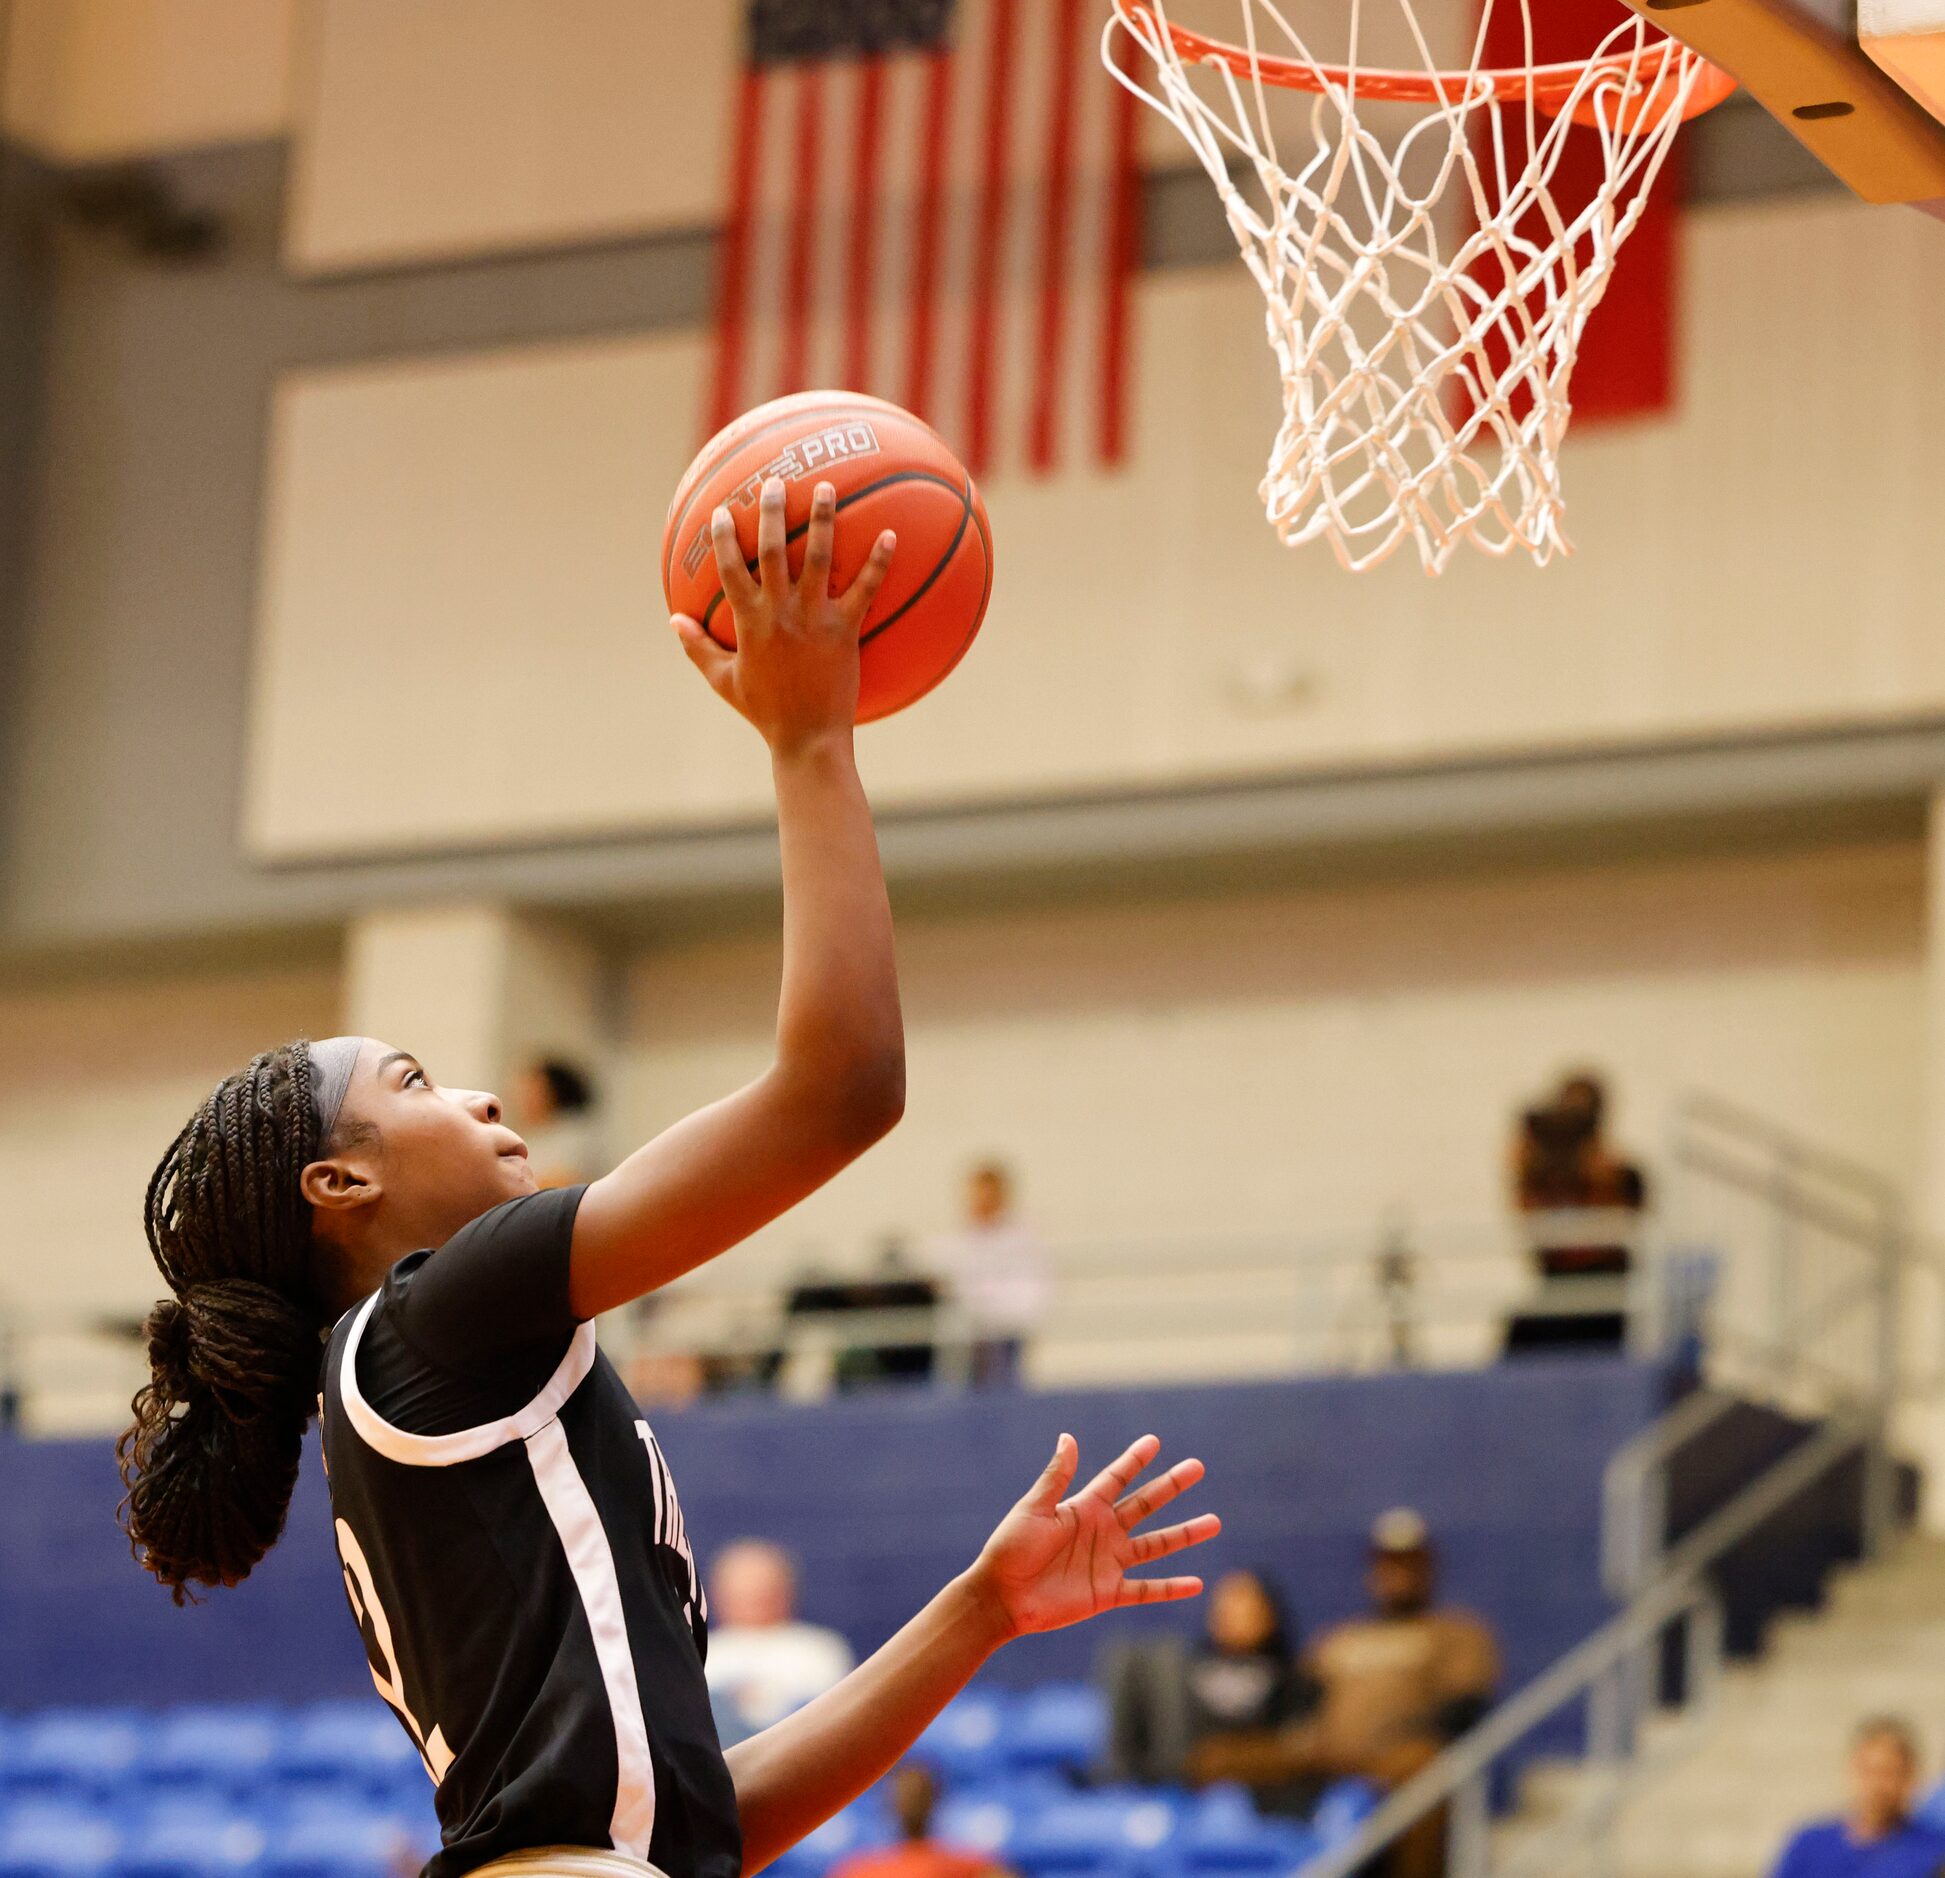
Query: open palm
[[1053, 1561]]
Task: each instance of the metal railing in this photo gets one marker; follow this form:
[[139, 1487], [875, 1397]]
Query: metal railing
[[1827, 1257], [1348, 1301], [1352, 1300], [1615, 1672]]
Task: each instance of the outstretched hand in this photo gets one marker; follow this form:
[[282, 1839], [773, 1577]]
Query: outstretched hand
[[794, 670], [1054, 1561]]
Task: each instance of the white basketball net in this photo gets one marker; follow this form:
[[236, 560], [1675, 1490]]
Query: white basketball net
[[1426, 354]]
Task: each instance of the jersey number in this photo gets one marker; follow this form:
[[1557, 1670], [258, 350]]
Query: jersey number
[[385, 1671]]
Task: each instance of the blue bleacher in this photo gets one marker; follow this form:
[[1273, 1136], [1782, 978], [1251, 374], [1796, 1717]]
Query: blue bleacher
[[335, 1790], [965, 1743], [331, 1790], [54, 1838], [1505, 1463], [198, 1837], [1060, 1725], [332, 1742], [210, 1745]]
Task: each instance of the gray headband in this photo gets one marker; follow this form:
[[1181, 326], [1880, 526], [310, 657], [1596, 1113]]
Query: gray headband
[[332, 1062]]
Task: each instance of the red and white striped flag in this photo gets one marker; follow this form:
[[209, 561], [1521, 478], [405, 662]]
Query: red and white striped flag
[[935, 201], [1629, 364]]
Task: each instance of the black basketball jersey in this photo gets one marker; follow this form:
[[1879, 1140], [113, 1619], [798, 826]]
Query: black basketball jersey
[[515, 1557]]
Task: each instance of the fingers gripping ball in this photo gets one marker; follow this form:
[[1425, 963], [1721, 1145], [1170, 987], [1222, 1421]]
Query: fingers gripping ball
[[889, 471]]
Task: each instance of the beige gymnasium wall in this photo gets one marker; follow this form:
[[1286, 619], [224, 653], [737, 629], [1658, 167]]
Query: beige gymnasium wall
[[1312, 1061], [431, 129], [96, 1076], [428, 130], [89, 81], [460, 576]]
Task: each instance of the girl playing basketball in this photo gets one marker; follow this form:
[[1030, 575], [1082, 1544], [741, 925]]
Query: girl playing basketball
[[513, 1549]]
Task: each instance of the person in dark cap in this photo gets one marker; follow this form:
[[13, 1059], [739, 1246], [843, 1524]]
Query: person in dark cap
[[1400, 1683]]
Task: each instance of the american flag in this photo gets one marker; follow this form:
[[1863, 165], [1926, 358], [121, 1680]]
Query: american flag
[[936, 201]]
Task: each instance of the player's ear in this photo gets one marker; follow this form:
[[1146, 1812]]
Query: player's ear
[[339, 1185]]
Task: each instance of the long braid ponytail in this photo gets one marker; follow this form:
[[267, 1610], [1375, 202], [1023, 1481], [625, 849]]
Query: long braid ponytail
[[211, 1457]]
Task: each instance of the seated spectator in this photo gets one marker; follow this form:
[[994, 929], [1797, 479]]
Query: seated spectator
[[1876, 1837], [917, 1854], [556, 1114], [763, 1663], [1562, 1162], [1219, 1710], [998, 1273], [1399, 1685]]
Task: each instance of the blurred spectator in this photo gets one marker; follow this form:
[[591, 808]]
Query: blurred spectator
[[559, 1121], [917, 1854], [665, 1378], [763, 1663], [1562, 1158], [1562, 1162], [1876, 1837], [1400, 1685], [998, 1272], [1218, 1711]]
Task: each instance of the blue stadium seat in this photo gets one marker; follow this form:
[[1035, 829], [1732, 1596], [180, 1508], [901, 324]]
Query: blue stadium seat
[[1346, 1805], [1931, 1809], [1223, 1834], [230, 1748], [329, 1838], [1061, 1725], [966, 1741], [74, 1751], [330, 1742], [1085, 1834], [980, 1822], [189, 1838], [55, 1839]]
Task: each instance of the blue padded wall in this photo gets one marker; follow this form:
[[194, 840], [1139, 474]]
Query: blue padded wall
[[884, 1497], [80, 1623]]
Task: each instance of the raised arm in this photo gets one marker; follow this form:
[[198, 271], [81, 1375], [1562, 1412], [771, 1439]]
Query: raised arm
[[837, 1083], [1051, 1562]]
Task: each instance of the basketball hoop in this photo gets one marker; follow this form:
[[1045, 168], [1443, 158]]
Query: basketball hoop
[[1426, 291]]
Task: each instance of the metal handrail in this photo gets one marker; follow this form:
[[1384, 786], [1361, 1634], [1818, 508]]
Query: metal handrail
[[1634, 1490], [1804, 1187], [1808, 1207], [1732, 1118], [1678, 1590]]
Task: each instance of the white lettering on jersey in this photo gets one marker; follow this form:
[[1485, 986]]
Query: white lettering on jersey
[[669, 1527]]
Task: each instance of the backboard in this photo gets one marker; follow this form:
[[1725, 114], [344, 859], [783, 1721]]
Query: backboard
[[1860, 83]]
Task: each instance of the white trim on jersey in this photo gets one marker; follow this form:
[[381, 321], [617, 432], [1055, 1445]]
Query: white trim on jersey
[[463, 1444], [585, 1541]]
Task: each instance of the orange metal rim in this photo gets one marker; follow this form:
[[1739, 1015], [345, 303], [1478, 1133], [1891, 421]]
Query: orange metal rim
[[1550, 87]]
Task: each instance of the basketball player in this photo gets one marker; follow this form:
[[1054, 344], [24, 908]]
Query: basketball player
[[332, 1220]]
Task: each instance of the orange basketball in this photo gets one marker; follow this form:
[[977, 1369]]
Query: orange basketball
[[889, 471]]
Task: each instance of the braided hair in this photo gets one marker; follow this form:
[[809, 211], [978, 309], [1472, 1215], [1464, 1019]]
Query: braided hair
[[211, 1457]]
